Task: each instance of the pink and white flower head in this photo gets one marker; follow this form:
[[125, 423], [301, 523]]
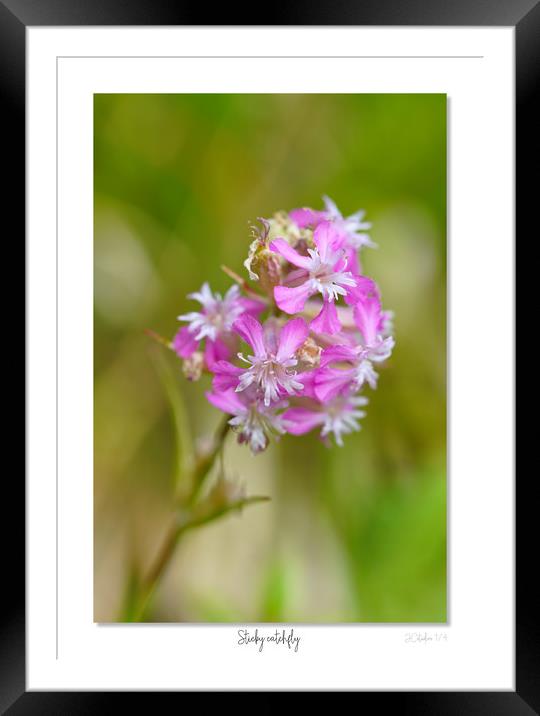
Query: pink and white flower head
[[352, 228], [337, 417], [213, 323], [322, 271], [271, 367], [372, 347], [300, 373], [253, 421]]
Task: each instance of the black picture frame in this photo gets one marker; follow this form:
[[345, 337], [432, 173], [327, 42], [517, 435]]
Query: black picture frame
[[524, 15]]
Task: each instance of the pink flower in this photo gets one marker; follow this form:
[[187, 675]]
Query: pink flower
[[298, 376], [322, 271], [213, 323], [271, 366], [372, 347], [307, 218], [352, 228], [253, 421], [337, 417], [226, 375]]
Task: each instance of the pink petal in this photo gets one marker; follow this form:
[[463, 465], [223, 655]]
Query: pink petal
[[185, 343], [342, 263], [327, 321], [282, 247], [250, 330], [353, 262], [215, 351], [292, 300], [367, 315], [364, 287], [251, 305], [305, 217], [327, 239], [307, 378], [271, 331], [300, 420], [225, 375], [299, 275], [338, 354], [291, 337], [331, 382], [228, 401]]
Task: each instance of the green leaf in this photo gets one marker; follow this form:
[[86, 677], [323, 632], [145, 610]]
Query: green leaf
[[130, 601], [274, 595], [214, 506], [182, 431], [398, 555]]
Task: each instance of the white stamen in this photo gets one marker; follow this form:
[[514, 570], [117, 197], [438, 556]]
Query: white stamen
[[325, 280], [269, 375]]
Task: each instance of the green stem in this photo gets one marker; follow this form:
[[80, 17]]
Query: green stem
[[197, 519], [164, 555], [158, 338], [205, 462], [190, 512], [200, 471], [244, 284]]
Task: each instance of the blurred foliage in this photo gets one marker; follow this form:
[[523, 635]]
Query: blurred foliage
[[351, 534]]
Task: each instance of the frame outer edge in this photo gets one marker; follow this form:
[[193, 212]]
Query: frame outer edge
[[299, 12], [12, 81], [12, 626], [527, 152]]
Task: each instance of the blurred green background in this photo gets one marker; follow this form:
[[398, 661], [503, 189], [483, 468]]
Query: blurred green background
[[351, 534]]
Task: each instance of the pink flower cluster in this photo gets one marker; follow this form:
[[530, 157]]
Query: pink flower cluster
[[313, 332]]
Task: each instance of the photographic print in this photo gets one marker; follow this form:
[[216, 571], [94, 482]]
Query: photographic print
[[270, 358]]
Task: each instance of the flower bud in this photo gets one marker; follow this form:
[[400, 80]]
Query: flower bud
[[224, 493], [281, 225], [192, 367], [262, 264], [309, 353]]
